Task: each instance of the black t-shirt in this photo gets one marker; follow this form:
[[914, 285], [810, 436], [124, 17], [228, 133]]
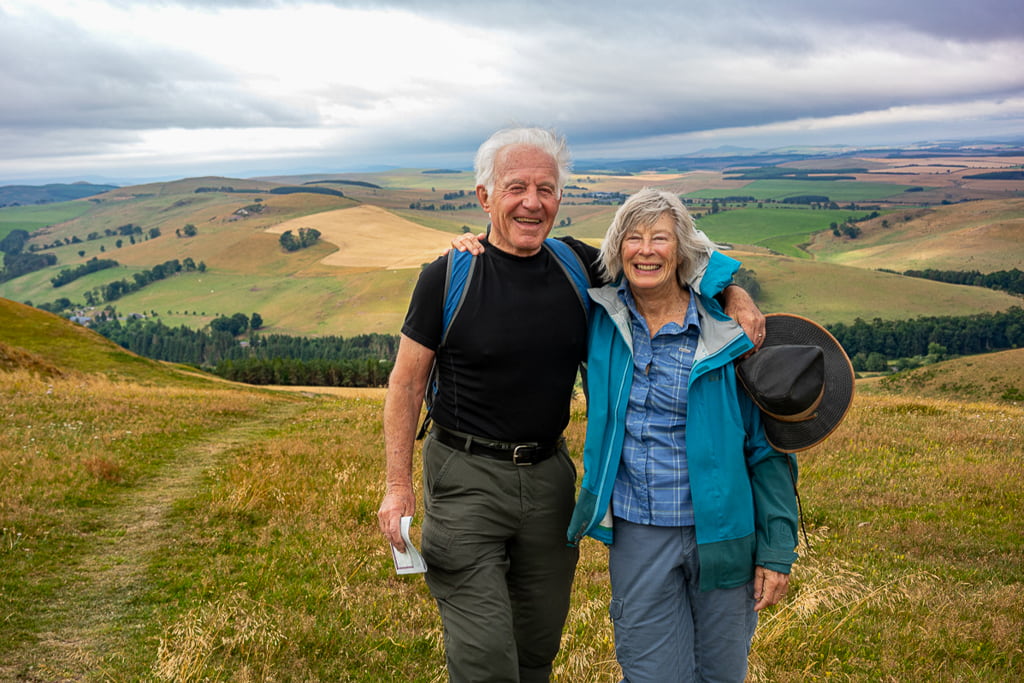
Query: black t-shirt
[[508, 366]]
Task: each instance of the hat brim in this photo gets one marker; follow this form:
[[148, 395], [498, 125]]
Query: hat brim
[[790, 437]]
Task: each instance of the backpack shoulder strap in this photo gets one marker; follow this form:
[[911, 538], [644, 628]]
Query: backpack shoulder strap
[[457, 274], [572, 266], [461, 265]]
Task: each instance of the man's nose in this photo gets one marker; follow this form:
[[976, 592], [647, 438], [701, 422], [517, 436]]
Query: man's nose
[[531, 199]]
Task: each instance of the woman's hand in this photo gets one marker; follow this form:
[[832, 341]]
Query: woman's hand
[[769, 587], [470, 242]]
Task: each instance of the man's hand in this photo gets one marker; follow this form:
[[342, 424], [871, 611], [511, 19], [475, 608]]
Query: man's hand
[[741, 308], [769, 587], [471, 243], [399, 501]]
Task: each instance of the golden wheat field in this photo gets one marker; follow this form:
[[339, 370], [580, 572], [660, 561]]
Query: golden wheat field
[[368, 236]]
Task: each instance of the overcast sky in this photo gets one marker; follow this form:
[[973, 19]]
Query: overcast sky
[[123, 90]]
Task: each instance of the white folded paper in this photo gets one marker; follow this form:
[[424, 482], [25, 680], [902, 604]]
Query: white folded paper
[[409, 562]]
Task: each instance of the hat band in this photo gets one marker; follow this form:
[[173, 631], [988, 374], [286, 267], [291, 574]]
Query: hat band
[[803, 415]]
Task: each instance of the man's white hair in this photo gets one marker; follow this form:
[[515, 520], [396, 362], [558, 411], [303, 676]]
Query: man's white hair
[[546, 140]]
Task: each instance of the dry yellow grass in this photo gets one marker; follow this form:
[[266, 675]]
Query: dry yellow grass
[[368, 236]]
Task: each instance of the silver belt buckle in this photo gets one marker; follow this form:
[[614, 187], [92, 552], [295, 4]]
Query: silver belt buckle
[[515, 457]]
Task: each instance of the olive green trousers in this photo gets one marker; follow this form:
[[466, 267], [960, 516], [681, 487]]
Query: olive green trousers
[[499, 565]]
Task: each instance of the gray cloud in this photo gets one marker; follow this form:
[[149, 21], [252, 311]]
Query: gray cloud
[[606, 73], [54, 75]]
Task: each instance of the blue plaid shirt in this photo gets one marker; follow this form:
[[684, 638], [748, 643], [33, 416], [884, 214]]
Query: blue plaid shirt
[[652, 485]]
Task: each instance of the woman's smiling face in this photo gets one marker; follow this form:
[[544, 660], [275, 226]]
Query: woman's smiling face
[[650, 255]]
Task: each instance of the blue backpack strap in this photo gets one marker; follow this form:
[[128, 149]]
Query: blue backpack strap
[[573, 267], [457, 274], [460, 269]]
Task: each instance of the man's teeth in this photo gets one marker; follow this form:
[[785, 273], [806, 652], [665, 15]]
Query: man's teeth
[[528, 220]]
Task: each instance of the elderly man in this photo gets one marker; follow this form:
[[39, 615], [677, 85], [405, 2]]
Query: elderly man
[[498, 483]]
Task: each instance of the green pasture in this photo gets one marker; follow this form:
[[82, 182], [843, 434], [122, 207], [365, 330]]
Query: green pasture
[[835, 190], [346, 303], [781, 229], [32, 218], [830, 293]]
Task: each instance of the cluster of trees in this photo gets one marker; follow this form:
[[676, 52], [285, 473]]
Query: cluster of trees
[[16, 261], [847, 228], [312, 190], [91, 266], [226, 189], [112, 291], [360, 361], [808, 199], [956, 335], [153, 339], [374, 346], [307, 237], [356, 183], [1011, 281], [237, 323]]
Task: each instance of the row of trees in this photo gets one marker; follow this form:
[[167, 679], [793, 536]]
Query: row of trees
[[1004, 280], [91, 266], [316, 373], [112, 291], [957, 335], [362, 360]]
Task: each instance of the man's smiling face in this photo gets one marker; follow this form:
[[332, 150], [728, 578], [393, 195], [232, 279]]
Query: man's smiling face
[[525, 199]]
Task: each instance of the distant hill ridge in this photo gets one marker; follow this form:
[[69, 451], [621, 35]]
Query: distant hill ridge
[[21, 195]]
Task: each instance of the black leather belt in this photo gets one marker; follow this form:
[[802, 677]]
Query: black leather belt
[[525, 453]]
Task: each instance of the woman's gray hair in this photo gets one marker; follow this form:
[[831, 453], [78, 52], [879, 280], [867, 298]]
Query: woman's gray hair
[[643, 209], [546, 140]]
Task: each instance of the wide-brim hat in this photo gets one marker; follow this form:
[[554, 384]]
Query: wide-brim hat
[[801, 379]]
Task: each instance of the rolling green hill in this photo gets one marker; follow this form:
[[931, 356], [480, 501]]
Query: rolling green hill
[[982, 235], [53, 346], [987, 377]]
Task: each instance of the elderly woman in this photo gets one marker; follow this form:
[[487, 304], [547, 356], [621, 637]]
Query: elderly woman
[[698, 510]]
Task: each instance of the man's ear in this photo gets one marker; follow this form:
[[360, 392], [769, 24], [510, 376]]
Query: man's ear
[[481, 196]]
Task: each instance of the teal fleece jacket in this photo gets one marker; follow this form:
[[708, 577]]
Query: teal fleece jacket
[[743, 490]]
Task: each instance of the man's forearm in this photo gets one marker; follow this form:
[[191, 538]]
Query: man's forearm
[[401, 413]]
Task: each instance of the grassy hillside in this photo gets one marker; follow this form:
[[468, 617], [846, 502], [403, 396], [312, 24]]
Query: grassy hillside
[[983, 235], [830, 293], [989, 377], [188, 530], [32, 218], [55, 346]]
